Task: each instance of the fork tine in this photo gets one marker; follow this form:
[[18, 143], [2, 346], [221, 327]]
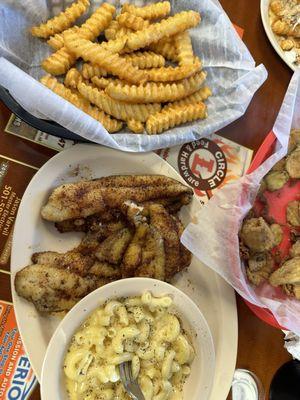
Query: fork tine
[[131, 386], [128, 371], [122, 373]]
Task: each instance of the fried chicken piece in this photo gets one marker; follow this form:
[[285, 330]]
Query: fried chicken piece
[[106, 270], [52, 289], [167, 227], [259, 268], [257, 235], [93, 238], [79, 200], [133, 255], [293, 213], [278, 233], [71, 261], [294, 140], [292, 290], [153, 256], [275, 180], [295, 249], [293, 164], [114, 246], [288, 273], [280, 165]]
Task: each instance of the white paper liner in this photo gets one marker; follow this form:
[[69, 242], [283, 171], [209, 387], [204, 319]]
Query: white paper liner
[[232, 74], [214, 238]]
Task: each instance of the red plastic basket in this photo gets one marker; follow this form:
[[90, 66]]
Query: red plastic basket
[[265, 150]]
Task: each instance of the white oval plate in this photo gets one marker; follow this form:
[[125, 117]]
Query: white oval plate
[[211, 293], [264, 11], [199, 383]]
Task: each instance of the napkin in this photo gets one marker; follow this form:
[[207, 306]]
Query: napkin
[[214, 237], [232, 74]]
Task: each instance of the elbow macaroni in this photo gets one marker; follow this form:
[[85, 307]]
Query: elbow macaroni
[[141, 330]]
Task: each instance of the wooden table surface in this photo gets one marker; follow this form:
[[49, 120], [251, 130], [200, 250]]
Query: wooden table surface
[[260, 347]]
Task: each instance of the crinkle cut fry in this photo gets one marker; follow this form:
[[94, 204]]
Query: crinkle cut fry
[[112, 63], [117, 109], [151, 11], [170, 74], [154, 92], [167, 27], [73, 78], [76, 99], [201, 95], [115, 31], [57, 41], [90, 70], [145, 59], [184, 48], [62, 21], [173, 116], [59, 62], [135, 126], [166, 49], [101, 82], [62, 60], [131, 21]]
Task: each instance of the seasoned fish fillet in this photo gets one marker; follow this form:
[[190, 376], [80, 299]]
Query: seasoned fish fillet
[[79, 200], [89, 223], [133, 255], [51, 288], [106, 270], [136, 180], [114, 246], [166, 225], [92, 239], [72, 261], [185, 254], [153, 256]]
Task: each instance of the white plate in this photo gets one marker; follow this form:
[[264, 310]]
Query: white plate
[[211, 293], [264, 11], [199, 383]]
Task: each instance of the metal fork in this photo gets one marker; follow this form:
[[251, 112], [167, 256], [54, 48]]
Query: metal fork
[[131, 386]]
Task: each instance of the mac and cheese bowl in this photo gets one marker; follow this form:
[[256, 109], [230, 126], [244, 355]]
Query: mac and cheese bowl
[[149, 322]]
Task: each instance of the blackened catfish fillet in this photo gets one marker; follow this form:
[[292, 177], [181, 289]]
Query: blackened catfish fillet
[[85, 198], [52, 289]]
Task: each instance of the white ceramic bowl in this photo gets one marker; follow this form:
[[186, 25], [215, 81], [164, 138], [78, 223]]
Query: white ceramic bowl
[[199, 383], [285, 55]]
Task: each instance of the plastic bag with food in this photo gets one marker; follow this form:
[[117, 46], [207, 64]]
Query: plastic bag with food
[[231, 74], [238, 245]]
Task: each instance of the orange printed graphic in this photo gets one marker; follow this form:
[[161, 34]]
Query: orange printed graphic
[[16, 375]]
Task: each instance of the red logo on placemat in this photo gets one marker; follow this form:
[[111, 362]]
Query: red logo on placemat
[[202, 164]]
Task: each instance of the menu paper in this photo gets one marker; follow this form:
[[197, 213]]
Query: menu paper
[[213, 238], [231, 74], [14, 178], [17, 379], [19, 128]]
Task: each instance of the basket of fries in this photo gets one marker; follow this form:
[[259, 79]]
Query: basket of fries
[[132, 77]]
